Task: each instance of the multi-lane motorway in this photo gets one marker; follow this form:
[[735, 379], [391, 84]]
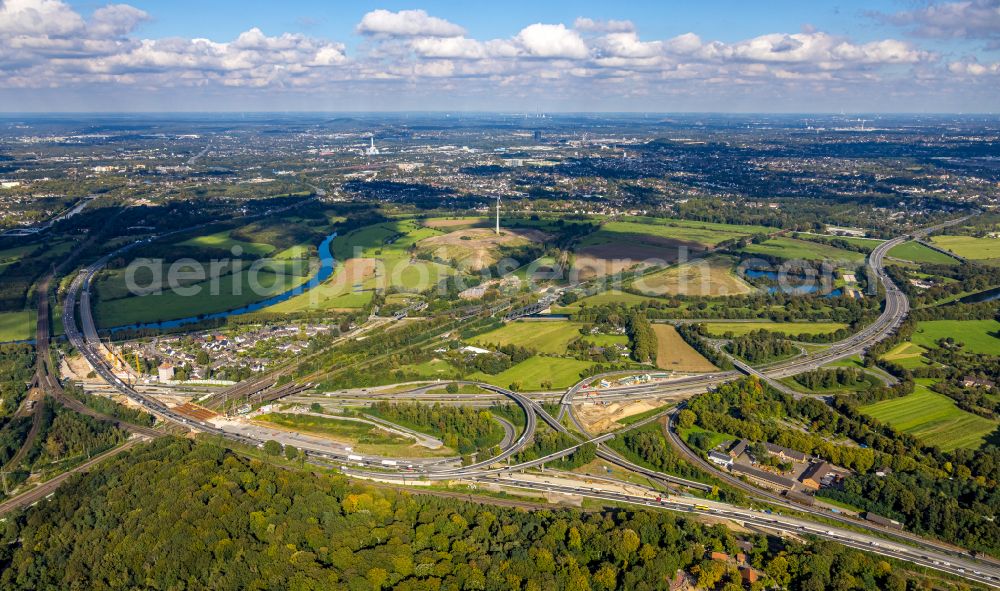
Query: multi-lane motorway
[[895, 310], [921, 551], [960, 566]]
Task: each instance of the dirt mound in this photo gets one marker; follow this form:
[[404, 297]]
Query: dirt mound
[[477, 248], [603, 418]]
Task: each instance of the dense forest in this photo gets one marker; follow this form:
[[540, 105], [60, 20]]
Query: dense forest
[[110, 407], [826, 379], [649, 447], [548, 441], [17, 365], [760, 346], [233, 523], [642, 338], [935, 493], [463, 428]]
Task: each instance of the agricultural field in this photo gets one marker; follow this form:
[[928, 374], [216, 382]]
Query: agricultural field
[[287, 240], [113, 284], [978, 336], [551, 337], [351, 286], [918, 253], [10, 256], [933, 418], [713, 276], [703, 233], [223, 240], [618, 245], [603, 299], [789, 328], [673, 352], [970, 247], [790, 248], [17, 326], [231, 292], [456, 222], [532, 372], [371, 258], [908, 355], [606, 340]]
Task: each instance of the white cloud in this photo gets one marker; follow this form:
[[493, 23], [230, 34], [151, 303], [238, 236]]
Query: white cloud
[[407, 23], [974, 68], [817, 49], [598, 26], [450, 47], [628, 45], [251, 59], [116, 20], [551, 41], [46, 43], [683, 44], [38, 17], [969, 19]]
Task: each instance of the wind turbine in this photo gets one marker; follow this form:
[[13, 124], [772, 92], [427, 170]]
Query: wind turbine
[[498, 215]]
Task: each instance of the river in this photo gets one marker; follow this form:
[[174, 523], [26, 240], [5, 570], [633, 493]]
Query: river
[[327, 264]]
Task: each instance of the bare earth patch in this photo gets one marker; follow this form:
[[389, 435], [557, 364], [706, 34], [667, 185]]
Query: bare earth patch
[[357, 271], [600, 260], [76, 368], [477, 248], [603, 418]]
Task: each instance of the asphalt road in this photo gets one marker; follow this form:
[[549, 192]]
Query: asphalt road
[[48, 487], [896, 307], [959, 566], [895, 310]]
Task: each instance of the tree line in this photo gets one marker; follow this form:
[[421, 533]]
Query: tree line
[[828, 379], [760, 346], [947, 493], [695, 335], [463, 428], [244, 524], [641, 338]]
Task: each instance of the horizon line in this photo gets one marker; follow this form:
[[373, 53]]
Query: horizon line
[[526, 114]]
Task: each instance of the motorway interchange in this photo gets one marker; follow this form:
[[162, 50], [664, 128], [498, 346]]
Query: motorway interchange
[[82, 334]]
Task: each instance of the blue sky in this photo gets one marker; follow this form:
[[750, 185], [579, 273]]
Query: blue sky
[[514, 55], [727, 21]]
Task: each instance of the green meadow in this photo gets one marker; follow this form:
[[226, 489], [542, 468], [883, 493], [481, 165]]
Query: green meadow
[[933, 418], [978, 336]]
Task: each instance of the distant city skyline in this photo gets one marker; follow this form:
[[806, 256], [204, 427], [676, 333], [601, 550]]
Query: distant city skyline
[[740, 57]]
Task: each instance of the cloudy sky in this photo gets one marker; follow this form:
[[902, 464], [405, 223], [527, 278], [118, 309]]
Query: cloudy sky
[[656, 56]]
